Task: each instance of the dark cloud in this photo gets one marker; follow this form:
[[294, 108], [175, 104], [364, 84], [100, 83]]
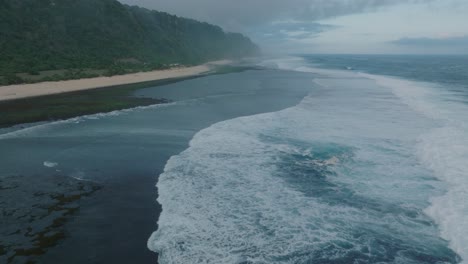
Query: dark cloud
[[433, 42], [240, 15]]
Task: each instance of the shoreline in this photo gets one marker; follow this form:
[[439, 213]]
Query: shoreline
[[113, 224], [92, 100], [23, 91]]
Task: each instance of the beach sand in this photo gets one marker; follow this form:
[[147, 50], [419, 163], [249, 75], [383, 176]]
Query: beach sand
[[19, 91]]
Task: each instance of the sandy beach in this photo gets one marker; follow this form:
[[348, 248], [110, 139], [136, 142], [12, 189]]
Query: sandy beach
[[19, 91]]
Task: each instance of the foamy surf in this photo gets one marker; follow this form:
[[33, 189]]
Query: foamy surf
[[42, 127], [50, 164], [335, 179], [443, 149]]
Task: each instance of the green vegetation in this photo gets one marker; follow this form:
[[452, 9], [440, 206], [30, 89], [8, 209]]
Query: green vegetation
[[103, 35], [68, 105]]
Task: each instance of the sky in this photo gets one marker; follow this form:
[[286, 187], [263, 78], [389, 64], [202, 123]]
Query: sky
[[335, 26]]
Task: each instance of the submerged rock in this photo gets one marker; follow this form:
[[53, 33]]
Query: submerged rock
[[34, 210]]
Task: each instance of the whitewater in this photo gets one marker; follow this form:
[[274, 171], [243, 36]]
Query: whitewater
[[365, 169]]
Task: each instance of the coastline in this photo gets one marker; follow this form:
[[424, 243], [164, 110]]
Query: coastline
[[113, 224], [107, 97], [22, 91]]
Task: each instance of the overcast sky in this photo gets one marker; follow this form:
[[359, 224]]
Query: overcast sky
[[335, 26]]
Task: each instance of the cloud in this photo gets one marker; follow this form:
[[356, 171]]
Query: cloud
[[461, 41], [287, 35], [292, 30], [312, 25], [240, 15]]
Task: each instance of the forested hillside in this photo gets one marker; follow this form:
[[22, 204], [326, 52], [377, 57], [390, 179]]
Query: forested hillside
[[44, 35]]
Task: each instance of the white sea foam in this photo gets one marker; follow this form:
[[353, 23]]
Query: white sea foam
[[221, 205], [417, 95], [444, 149], [300, 65], [226, 199], [43, 127], [50, 164]]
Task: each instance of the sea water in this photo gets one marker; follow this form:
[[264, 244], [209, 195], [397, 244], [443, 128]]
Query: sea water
[[124, 152], [370, 167]]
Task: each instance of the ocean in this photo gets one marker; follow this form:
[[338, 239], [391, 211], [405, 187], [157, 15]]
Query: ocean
[[312, 159], [123, 152], [370, 167]]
